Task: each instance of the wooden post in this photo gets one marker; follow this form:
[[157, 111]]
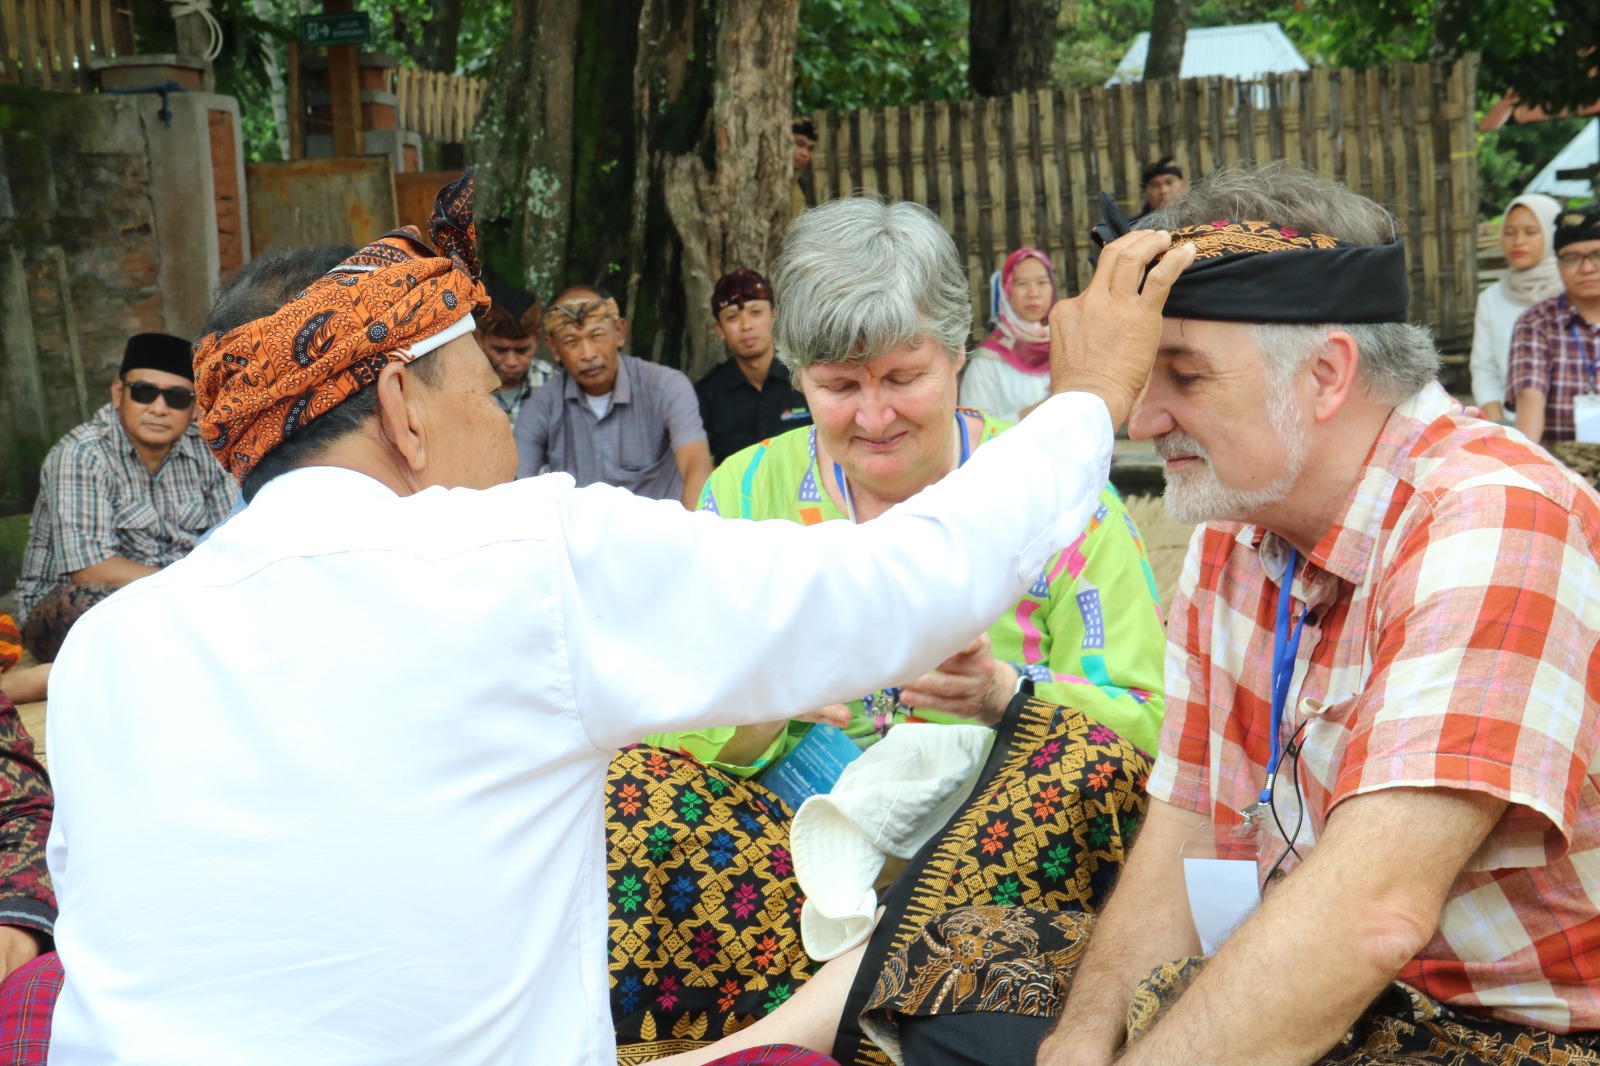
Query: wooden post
[[344, 89], [193, 35], [294, 91]]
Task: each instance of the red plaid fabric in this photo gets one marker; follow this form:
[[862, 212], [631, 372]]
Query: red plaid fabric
[[775, 1055], [1453, 620], [1555, 351], [27, 1001]]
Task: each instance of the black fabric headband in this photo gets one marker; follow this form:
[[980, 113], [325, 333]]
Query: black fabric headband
[[1259, 272]]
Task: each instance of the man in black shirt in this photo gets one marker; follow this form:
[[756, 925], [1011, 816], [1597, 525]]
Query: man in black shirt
[[748, 398]]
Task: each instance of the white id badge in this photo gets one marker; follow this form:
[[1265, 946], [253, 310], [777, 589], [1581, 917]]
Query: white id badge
[[1586, 417], [1221, 877]]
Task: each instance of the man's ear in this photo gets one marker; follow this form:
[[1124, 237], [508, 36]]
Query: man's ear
[[1336, 369], [400, 421], [622, 333], [116, 391]]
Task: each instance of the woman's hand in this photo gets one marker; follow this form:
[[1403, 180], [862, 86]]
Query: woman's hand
[[970, 683]]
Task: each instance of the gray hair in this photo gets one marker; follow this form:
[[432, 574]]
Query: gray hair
[[859, 277], [1397, 359]]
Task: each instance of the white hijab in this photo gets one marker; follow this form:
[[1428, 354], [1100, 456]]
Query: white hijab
[[1542, 280]]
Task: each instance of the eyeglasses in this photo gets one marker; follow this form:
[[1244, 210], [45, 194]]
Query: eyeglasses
[[144, 392], [1572, 260]]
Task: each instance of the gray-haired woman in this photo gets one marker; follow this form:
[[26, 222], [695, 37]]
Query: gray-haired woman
[[873, 323], [873, 317]]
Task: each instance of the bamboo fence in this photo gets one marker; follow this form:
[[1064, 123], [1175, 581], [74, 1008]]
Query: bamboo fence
[[442, 107], [1028, 168], [49, 44]]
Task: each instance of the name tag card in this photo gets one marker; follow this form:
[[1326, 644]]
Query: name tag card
[[1586, 417], [1220, 877]]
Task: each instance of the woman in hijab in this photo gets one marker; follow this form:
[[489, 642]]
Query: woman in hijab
[[1010, 371], [1527, 235]]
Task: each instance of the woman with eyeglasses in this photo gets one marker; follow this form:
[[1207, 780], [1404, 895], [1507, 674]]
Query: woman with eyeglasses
[[121, 496]]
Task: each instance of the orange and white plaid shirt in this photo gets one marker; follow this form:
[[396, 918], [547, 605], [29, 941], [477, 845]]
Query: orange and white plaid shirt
[[1452, 639]]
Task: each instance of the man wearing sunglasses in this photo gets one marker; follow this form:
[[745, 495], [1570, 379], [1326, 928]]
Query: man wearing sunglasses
[[122, 495]]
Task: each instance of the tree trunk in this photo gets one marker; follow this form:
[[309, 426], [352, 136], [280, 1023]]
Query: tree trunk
[[437, 48], [730, 202], [1010, 45], [1449, 26], [522, 147], [673, 83], [1169, 29], [275, 83]]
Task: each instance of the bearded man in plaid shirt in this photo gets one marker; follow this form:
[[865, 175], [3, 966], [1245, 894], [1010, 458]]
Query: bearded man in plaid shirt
[[1413, 594], [1438, 714]]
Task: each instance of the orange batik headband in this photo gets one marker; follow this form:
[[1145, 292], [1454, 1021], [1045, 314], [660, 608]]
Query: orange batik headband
[[393, 301]]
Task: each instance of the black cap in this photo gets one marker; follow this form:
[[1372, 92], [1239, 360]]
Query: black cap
[[1165, 165], [158, 351], [1577, 224]]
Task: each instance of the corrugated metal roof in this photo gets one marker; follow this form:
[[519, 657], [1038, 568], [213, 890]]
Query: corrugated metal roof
[[1243, 52], [1582, 151]]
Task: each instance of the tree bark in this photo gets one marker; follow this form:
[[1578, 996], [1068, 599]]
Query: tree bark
[[275, 82], [1010, 45], [729, 201], [1450, 19], [1169, 29], [437, 49], [522, 147]]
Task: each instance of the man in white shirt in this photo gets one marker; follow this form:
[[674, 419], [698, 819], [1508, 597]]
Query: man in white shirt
[[367, 826]]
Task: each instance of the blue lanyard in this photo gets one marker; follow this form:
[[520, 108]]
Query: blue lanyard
[[882, 720], [1593, 365], [844, 489], [1285, 649]]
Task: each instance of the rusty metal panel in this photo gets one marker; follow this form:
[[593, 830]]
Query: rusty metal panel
[[320, 201], [415, 194]]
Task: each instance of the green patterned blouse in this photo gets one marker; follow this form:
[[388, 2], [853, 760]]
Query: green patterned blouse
[[1088, 632]]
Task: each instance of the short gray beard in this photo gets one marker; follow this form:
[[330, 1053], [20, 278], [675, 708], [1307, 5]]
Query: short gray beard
[[1197, 496]]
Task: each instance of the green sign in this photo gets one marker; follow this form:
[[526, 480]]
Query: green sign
[[325, 31]]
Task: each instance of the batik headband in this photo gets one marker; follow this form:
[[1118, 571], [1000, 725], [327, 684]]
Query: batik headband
[[739, 288], [577, 312], [1247, 271], [393, 301]]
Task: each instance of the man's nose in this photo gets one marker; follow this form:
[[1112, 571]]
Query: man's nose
[[1150, 419]]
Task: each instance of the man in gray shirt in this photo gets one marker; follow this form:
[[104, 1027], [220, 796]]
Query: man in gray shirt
[[607, 416]]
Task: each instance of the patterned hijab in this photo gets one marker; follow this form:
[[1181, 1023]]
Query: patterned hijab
[[393, 301], [1022, 344], [1542, 280]]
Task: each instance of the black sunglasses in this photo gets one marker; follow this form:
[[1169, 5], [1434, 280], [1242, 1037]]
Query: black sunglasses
[[143, 392]]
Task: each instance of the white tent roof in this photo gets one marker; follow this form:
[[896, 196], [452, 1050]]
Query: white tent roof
[[1582, 151], [1242, 52]]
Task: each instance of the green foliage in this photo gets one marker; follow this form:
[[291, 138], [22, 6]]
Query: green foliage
[[1094, 34], [1533, 47], [879, 53], [249, 28], [1508, 159]]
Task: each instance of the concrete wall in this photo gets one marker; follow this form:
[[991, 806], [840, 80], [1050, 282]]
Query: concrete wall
[[113, 221]]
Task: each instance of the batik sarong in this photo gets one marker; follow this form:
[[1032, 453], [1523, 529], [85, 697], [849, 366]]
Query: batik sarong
[[1012, 966], [705, 907]]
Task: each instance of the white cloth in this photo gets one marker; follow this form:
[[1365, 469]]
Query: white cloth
[[998, 389], [348, 808], [900, 792], [598, 404], [1491, 344]]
